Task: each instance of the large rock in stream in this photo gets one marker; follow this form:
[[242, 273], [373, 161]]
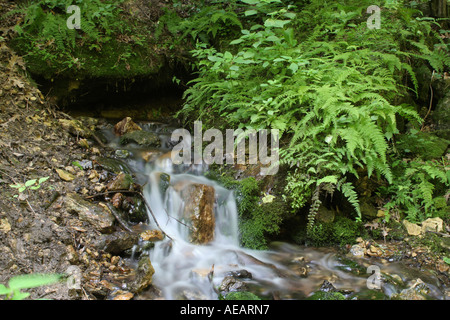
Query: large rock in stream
[[199, 211]]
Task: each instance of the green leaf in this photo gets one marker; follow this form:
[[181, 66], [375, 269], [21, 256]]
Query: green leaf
[[4, 290], [237, 41], [32, 280], [18, 295], [275, 23], [30, 182], [16, 186], [42, 180], [250, 12]]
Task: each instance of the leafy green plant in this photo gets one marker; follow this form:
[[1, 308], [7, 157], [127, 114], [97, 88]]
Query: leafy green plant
[[18, 283], [416, 187], [33, 184], [333, 88]]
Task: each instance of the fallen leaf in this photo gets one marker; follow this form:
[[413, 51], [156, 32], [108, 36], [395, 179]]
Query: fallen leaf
[[64, 175]]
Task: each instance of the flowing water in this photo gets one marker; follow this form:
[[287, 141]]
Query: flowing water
[[187, 271]]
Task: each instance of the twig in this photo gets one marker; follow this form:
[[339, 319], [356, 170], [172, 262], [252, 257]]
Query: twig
[[119, 218], [143, 198]]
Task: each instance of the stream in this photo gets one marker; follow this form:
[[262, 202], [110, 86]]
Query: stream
[[184, 270]]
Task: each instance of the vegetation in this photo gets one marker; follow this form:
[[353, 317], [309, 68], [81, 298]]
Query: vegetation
[[103, 45], [18, 283], [345, 98], [335, 90]]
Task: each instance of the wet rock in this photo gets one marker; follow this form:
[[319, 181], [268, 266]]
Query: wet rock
[[199, 211], [164, 182], [230, 284], [122, 181], [242, 274], [141, 138], [117, 242], [152, 235], [327, 291], [123, 296], [136, 209], [117, 200], [125, 126], [357, 251], [300, 266], [113, 165], [99, 217], [144, 275], [123, 154], [417, 290]]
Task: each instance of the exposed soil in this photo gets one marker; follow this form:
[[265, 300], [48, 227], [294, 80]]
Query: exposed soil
[[38, 234]]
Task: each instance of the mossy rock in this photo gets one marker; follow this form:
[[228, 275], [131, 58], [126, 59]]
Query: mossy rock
[[141, 138], [245, 295], [321, 295], [441, 117], [423, 144]]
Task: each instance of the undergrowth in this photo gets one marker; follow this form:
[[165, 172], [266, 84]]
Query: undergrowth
[[334, 89]]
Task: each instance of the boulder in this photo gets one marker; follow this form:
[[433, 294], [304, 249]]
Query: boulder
[[99, 217], [199, 211]]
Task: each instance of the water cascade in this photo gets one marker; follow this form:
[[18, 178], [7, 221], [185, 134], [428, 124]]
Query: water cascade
[[189, 267]]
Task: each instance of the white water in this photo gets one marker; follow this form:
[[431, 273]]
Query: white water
[[181, 268]]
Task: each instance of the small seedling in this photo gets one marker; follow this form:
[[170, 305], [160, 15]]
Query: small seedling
[[32, 184]]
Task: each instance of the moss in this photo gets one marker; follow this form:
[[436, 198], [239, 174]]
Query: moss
[[321, 295], [240, 296], [423, 144], [258, 220], [341, 232], [345, 231]]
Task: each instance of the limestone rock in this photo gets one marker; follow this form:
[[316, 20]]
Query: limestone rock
[[412, 228], [432, 224]]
